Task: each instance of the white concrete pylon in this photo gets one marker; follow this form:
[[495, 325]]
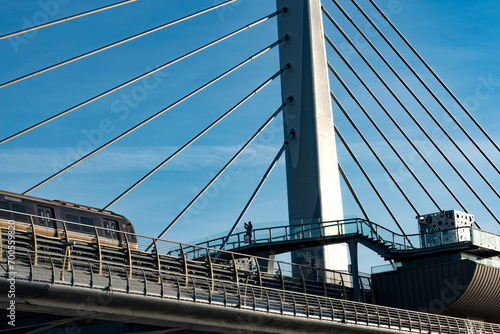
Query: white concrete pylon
[[311, 162]]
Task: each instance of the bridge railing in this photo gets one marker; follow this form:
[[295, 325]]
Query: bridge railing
[[83, 273], [343, 229], [107, 246]]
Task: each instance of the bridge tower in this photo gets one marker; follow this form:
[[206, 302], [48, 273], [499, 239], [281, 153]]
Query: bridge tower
[[311, 162]]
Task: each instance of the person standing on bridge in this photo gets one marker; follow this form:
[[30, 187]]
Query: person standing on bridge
[[249, 228]]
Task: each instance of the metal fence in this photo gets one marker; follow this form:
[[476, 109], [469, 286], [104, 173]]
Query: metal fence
[[107, 247], [120, 278], [356, 227]]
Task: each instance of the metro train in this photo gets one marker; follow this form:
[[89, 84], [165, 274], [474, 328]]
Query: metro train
[[48, 217]]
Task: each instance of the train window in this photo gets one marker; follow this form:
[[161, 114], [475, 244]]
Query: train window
[[110, 224], [45, 212], [114, 226], [40, 212], [5, 206], [74, 219], [19, 208], [89, 222]]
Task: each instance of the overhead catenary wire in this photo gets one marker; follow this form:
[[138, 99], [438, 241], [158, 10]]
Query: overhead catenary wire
[[159, 113], [367, 177], [372, 121], [435, 75], [142, 76], [256, 191], [226, 166], [353, 191], [195, 138], [66, 19], [428, 112], [109, 46], [413, 118], [431, 92], [388, 114]]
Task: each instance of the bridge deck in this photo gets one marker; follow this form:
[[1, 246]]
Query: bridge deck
[[65, 282]]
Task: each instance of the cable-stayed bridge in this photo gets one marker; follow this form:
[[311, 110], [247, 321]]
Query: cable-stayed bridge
[[407, 146]]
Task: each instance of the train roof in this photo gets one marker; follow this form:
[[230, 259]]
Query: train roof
[[59, 202]]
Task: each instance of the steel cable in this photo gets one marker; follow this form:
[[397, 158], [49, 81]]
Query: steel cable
[[142, 76], [66, 19], [97, 150], [109, 46]]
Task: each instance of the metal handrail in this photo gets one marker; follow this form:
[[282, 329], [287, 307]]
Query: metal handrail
[[100, 250], [259, 299], [317, 230], [123, 236]]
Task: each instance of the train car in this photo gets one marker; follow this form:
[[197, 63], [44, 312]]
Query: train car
[[47, 218]]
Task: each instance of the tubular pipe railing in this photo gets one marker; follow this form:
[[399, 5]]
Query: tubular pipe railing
[[235, 295], [107, 246]]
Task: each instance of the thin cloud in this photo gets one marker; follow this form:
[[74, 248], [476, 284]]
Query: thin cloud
[[44, 161]]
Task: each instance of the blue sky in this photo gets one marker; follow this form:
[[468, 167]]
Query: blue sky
[[459, 39]]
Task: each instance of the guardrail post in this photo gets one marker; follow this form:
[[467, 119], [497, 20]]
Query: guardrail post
[[368, 315], [53, 270], [235, 268], [254, 303], [91, 274], [31, 264], [343, 285], [73, 278], [67, 252], [209, 293], [178, 287], [282, 306], [259, 276], [211, 268], [194, 290], [128, 280], [320, 310], [281, 276], [99, 253], [129, 253], [302, 279], [158, 262], [323, 280], [35, 246], [110, 279], [225, 293], [378, 316], [294, 306], [307, 306], [186, 273], [145, 283], [268, 306]]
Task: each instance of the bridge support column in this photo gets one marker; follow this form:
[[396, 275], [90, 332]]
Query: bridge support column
[[353, 253], [266, 265], [311, 162]]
